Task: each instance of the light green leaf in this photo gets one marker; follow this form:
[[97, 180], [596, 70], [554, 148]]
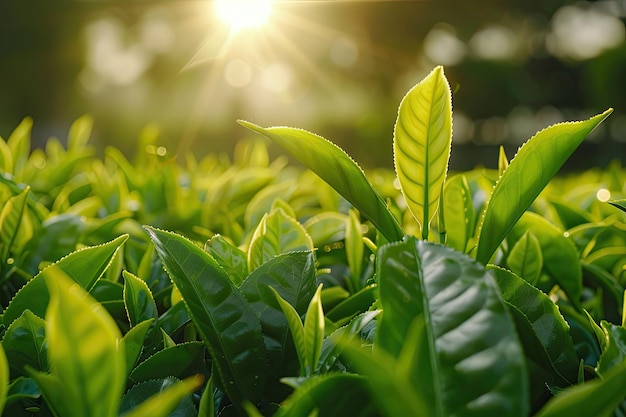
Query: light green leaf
[[83, 348], [463, 356], [354, 249], [525, 258], [10, 220], [314, 331], [335, 167], [296, 327], [85, 266], [138, 300], [620, 204], [79, 133], [19, 143], [180, 361], [597, 398], [231, 258], [207, 405], [4, 378], [421, 145], [166, 401], [134, 340], [6, 157], [535, 164], [560, 257], [222, 316], [459, 210], [503, 161], [277, 233]]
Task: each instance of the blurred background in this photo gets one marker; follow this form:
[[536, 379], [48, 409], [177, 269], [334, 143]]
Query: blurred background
[[190, 68]]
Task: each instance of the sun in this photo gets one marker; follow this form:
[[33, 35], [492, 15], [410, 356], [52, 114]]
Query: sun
[[243, 14]]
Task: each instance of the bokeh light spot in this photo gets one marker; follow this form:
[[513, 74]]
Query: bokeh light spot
[[238, 73], [603, 195]]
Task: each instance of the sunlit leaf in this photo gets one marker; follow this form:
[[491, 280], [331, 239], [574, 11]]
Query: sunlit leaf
[[10, 220], [79, 133], [85, 266], [77, 327], [138, 300], [614, 353], [525, 258], [354, 249], [335, 167], [19, 143], [620, 204], [222, 315], [277, 233], [534, 165], [296, 327], [4, 378], [181, 361], [314, 331], [422, 141], [459, 212], [134, 340], [231, 258]]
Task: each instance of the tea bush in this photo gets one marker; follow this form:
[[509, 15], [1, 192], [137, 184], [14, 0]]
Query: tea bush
[[171, 285]]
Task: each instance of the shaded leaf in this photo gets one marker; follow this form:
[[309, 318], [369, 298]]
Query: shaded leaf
[[180, 361], [165, 398], [222, 315], [525, 258], [140, 305], [24, 343]]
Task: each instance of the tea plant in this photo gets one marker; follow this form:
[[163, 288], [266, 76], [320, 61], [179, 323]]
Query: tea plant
[[255, 288]]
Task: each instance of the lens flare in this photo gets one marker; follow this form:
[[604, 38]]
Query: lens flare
[[243, 14]]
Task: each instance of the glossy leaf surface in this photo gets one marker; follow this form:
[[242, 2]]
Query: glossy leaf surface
[[459, 212], [24, 343], [421, 145], [335, 167], [222, 315], [231, 258], [525, 258], [534, 165], [547, 324], [138, 300], [447, 308]]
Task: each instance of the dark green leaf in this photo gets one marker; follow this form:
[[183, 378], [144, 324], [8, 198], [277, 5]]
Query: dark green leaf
[[447, 328], [138, 300], [181, 361], [222, 315], [161, 398]]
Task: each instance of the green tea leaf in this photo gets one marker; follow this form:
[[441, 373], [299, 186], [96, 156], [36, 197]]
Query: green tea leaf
[[597, 398], [292, 276], [85, 266], [329, 395], [421, 145], [297, 329], [354, 249], [525, 258], [222, 315], [547, 324], [180, 361], [503, 161], [77, 327], [6, 157], [138, 300], [79, 133], [231, 258], [459, 210], [446, 326], [560, 257], [614, 353], [10, 220], [168, 397], [277, 233], [19, 143], [620, 204], [535, 164], [335, 167], [314, 331], [4, 378], [134, 340], [24, 343]]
